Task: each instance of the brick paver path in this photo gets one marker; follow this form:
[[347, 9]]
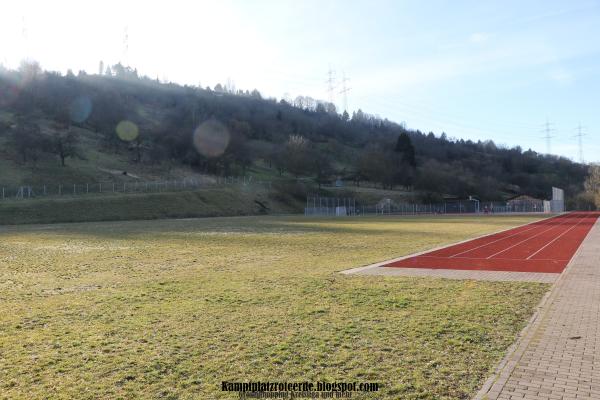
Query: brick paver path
[[558, 356]]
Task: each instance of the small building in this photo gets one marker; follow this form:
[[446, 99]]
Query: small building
[[522, 197]]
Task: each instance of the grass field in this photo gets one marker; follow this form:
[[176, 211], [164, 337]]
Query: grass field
[[169, 309]]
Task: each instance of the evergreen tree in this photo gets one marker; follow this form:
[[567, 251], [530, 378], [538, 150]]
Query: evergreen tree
[[406, 150]]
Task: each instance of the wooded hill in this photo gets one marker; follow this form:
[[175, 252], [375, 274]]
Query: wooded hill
[[46, 117]]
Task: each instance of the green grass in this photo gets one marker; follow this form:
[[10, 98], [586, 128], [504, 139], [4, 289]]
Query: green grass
[[169, 309], [210, 202]]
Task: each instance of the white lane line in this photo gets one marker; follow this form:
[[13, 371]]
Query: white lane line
[[506, 237], [364, 268], [556, 238], [529, 238], [504, 259]]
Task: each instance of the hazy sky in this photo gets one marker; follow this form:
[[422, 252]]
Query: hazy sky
[[474, 69]]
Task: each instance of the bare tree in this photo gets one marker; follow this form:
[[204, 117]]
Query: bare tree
[[297, 155], [592, 183], [65, 144], [321, 166], [27, 140]]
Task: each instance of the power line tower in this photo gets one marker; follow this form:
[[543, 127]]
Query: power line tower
[[330, 83], [547, 130], [23, 29], [345, 90], [125, 45], [24, 39], [579, 137]]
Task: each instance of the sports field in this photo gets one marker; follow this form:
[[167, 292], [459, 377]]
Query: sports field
[[170, 309], [544, 246]]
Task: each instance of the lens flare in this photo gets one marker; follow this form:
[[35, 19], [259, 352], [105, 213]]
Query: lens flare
[[211, 138], [127, 131], [80, 109], [10, 96]]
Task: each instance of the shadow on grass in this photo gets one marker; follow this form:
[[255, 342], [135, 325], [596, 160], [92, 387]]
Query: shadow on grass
[[443, 228]]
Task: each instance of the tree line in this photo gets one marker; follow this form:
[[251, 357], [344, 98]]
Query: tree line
[[302, 138]]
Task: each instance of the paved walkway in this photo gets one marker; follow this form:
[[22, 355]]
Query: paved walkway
[[558, 355]]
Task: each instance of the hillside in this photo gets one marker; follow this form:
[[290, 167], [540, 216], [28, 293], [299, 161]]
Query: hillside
[[91, 128]]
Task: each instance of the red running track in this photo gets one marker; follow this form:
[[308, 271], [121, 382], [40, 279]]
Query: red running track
[[544, 246]]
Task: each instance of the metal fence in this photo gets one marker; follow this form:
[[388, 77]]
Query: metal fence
[[332, 206], [79, 189]]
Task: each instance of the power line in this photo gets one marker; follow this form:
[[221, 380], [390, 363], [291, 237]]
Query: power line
[[579, 137], [547, 129], [345, 90], [437, 119], [411, 108]]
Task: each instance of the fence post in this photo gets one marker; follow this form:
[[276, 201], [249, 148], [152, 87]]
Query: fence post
[[100, 187], [87, 187], [73, 188]]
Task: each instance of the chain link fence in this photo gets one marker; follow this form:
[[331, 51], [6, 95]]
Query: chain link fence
[[333, 206], [80, 189]]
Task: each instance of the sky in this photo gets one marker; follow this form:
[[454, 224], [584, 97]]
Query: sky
[[476, 70]]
